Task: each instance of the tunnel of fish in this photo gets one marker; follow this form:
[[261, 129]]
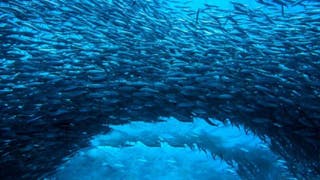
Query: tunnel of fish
[[69, 69]]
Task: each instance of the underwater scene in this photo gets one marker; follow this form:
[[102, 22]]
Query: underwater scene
[[160, 89]]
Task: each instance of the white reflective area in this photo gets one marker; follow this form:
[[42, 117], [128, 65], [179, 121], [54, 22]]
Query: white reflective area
[[174, 150]]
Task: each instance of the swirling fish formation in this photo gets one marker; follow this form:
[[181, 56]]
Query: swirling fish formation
[[70, 67]]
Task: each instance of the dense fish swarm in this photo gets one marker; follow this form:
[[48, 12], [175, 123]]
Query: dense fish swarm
[[68, 67]]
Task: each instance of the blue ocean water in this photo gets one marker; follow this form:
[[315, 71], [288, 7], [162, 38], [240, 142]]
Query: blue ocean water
[[155, 89], [175, 150]]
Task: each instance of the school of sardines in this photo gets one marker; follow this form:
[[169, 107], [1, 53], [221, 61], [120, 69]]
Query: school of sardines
[[70, 68]]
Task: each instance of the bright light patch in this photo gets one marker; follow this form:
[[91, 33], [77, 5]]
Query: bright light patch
[[174, 150]]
